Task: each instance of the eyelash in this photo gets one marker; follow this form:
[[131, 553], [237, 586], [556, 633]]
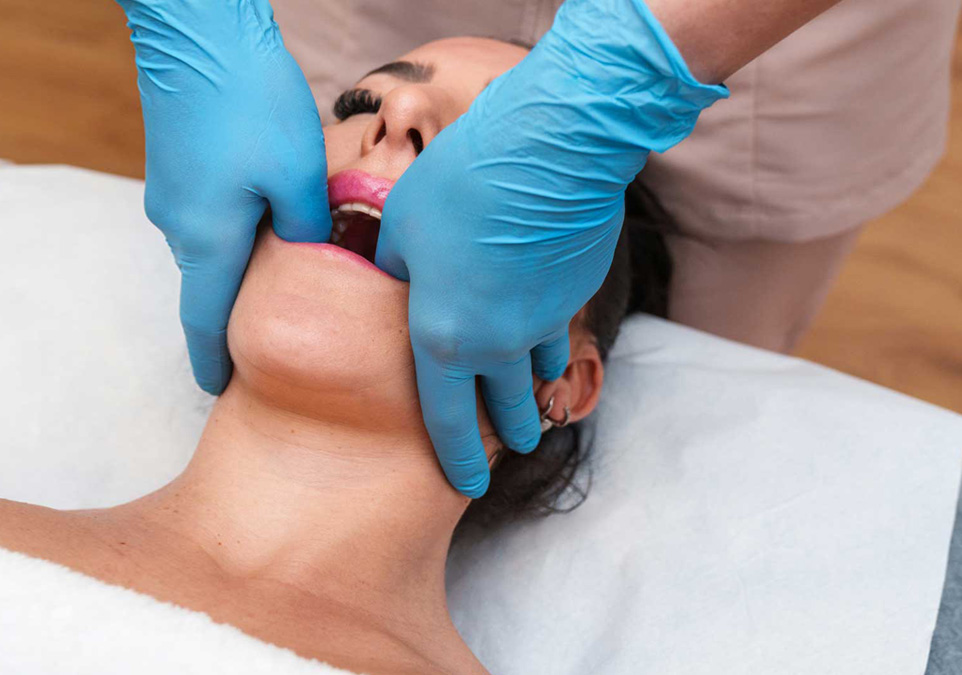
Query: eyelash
[[356, 102]]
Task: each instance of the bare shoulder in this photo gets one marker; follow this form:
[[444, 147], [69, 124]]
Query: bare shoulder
[[39, 531], [20, 522]]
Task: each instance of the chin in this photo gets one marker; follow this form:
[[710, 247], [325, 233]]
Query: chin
[[316, 330]]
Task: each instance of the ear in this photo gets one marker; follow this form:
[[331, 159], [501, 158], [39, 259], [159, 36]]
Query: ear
[[580, 386]]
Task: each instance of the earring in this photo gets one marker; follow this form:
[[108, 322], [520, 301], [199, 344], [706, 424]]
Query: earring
[[547, 423]]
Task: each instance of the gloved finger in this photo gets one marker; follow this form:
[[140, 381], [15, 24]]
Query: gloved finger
[[209, 284], [450, 413], [388, 256], [509, 396], [298, 197], [389, 259], [550, 358], [301, 213]]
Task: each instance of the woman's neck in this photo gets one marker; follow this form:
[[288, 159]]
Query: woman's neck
[[338, 515]]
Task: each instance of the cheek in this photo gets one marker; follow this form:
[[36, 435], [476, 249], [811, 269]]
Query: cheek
[[312, 333], [342, 142]]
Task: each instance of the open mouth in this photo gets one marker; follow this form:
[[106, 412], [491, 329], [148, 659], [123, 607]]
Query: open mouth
[[356, 227]]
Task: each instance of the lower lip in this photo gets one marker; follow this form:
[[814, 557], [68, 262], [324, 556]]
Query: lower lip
[[343, 254]]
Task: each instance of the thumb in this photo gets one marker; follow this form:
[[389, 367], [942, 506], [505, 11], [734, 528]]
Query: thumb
[[292, 171], [388, 256], [299, 207]]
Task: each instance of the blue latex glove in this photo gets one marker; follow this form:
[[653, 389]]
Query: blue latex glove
[[507, 223], [231, 125]]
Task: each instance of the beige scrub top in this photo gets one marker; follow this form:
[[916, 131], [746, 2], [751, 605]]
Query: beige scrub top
[[832, 127]]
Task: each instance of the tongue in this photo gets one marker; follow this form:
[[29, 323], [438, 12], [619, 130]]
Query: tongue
[[361, 234]]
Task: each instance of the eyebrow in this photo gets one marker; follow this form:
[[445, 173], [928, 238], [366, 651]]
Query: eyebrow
[[410, 71]]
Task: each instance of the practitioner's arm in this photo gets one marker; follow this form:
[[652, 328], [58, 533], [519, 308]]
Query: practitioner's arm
[[717, 37]]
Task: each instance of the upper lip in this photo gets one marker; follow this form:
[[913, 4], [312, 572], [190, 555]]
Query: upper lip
[[357, 187]]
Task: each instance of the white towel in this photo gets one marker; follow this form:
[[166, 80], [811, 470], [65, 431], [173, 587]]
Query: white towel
[[56, 621]]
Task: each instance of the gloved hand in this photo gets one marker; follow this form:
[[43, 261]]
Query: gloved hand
[[231, 125], [507, 223]]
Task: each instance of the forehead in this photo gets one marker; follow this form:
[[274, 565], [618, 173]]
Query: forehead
[[466, 53], [464, 61]]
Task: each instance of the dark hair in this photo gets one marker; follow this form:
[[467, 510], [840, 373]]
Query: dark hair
[[555, 477]]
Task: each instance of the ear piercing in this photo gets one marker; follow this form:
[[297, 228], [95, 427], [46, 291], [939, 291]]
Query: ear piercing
[[547, 423]]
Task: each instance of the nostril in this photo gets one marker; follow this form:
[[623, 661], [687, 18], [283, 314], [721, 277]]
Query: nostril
[[416, 140], [381, 132]]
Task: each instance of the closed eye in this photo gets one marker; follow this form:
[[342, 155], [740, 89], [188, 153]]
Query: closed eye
[[356, 102]]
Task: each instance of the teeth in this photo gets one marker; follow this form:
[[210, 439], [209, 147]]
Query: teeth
[[337, 233], [358, 207]]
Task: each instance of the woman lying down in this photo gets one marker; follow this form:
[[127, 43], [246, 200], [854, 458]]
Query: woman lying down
[[314, 514]]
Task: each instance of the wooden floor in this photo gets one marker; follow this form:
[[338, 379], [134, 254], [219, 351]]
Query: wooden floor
[[68, 95]]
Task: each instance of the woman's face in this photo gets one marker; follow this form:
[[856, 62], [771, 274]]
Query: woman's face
[[421, 93], [317, 328]]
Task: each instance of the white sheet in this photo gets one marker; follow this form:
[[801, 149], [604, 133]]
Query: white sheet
[[97, 405], [749, 513]]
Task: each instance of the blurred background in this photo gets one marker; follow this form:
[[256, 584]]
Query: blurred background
[[68, 95]]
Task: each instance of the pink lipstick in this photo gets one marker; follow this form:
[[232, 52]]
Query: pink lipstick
[[356, 187]]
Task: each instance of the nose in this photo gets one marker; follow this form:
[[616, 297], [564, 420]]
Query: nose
[[406, 122]]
